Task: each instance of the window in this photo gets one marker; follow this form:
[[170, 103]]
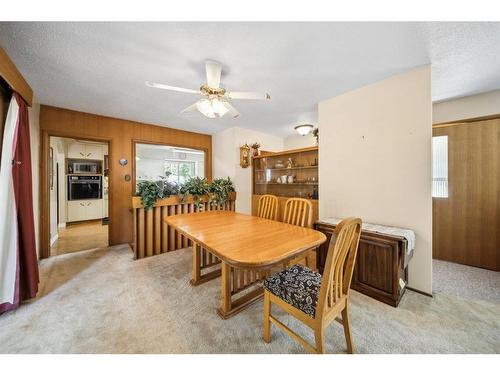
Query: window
[[440, 166], [180, 171], [160, 162]]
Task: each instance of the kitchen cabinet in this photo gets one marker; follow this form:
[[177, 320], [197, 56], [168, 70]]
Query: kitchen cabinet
[[94, 152], [84, 210], [77, 150]]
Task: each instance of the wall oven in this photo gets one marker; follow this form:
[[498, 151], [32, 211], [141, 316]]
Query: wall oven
[[84, 187]]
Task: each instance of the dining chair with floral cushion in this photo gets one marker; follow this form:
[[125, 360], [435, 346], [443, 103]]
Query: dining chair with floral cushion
[[317, 300]]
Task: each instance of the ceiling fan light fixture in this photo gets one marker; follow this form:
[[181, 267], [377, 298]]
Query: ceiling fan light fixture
[[304, 129], [212, 108]]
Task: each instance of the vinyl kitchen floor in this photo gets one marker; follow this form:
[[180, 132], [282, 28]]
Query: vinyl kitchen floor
[[80, 236]]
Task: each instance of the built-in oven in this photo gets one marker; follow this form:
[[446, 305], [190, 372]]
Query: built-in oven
[[84, 187]]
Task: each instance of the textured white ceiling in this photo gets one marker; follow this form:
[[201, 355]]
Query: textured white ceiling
[[101, 67]]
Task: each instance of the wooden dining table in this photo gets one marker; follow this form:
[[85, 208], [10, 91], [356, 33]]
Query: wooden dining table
[[243, 250]]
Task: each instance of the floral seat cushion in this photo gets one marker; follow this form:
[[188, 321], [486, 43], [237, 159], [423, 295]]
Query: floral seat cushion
[[299, 286]]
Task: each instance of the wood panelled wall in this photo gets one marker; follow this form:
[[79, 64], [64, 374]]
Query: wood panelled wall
[[120, 134], [466, 225]]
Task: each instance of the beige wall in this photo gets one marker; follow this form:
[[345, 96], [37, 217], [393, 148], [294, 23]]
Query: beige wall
[[34, 115], [485, 104], [226, 160], [298, 141], [375, 160]]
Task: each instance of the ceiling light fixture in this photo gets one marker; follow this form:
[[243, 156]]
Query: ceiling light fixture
[[304, 129], [212, 107]]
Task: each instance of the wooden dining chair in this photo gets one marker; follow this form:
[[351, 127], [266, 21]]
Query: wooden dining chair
[[314, 299], [268, 207], [298, 211]]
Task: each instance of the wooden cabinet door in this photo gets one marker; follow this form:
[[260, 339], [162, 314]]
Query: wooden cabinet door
[[93, 209], [93, 152], [75, 211], [374, 265], [76, 150]]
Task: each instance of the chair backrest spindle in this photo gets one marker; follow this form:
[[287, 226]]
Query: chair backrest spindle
[[268, 207], [298, 211]]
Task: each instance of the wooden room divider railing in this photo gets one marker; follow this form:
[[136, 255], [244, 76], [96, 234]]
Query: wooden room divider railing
[[152, 236]]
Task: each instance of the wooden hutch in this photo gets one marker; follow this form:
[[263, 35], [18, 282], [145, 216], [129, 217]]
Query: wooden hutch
[[286, 174]]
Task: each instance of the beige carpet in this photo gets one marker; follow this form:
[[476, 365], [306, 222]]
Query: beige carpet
[[102, 301]]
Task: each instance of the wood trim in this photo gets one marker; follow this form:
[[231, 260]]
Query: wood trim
[[14, 78], [465, 121], [287, 152], [207, 165]]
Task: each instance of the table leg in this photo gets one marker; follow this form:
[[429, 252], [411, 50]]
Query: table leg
[[225, 290], [239, 289], [203, 261], [196, 275]]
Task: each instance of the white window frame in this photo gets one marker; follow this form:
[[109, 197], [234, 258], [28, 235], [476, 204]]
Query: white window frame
[[178, 162], [440, 182]]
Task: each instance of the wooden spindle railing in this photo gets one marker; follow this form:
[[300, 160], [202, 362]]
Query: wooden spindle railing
[[153, 236]]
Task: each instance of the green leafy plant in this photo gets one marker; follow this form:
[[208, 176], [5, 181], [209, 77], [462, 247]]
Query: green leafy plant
[[170, 188], [315, 134], [149, 191], [220, 191], [197, 187]]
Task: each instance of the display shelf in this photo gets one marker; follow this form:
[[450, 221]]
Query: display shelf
[[291, 173]]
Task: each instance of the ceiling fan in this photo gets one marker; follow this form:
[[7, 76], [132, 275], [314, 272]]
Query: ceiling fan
[[215, 99]]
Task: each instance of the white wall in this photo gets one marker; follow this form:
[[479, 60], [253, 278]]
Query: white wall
[[480, 105], [298, 141], [375, 160], [226, 160]]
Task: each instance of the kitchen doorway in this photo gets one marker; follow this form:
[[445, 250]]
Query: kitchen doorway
[[78, 194]]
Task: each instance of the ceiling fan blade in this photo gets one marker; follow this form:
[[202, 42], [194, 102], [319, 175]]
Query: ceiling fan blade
[[248, 95], [231, 110], [171, 88], [214, 70], [191, 108]]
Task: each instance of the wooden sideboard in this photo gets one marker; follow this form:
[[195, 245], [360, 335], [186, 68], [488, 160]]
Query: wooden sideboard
[[380, 270]]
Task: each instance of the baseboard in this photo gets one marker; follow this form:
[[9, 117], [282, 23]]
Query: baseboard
[[54, 239], [419, 291], [62, 225]]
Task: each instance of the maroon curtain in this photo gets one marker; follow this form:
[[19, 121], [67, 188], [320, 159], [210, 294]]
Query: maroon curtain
[[27, 263]]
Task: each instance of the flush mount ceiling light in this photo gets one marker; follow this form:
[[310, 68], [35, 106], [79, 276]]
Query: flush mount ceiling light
[[304, 129], [215, 101]]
